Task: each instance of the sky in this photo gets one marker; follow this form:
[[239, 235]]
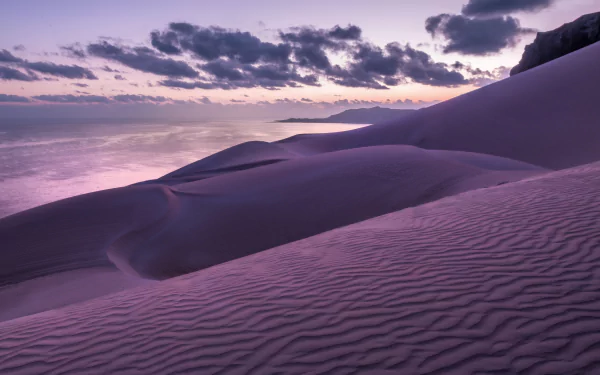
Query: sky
[[225, 58]]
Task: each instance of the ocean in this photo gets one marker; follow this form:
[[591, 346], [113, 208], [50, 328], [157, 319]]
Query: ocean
[[45, 162]]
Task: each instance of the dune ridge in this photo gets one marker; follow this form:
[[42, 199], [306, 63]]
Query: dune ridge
[[467, 284]]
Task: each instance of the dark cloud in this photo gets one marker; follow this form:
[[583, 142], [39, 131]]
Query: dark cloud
[[72, 98], [211, 43], [306, 100], [119, 77], [19, 47], [312, 56], [74, 50], [237, 101], [475, 36], [8, 74], [4, 98], [65, 71], [178, 84], [205, 100], [352, 32], [500, 7], [234, 59], [376, 68], [229, 75], [107, 68], [80, 84], [165, 42], [7, 57], [58, 70], [139, 99], [223, 69], [310, 45], [143, 59], [333, 38], [419, 67], [273, 75]]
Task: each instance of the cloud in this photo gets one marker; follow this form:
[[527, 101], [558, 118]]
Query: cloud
[[230, 75], [475, 36], [178, 84], [352, 32], [107, 68], [211, 43], [229, 59], [165, 42], [420, 68], [204, 100], [500, 7], [306, 100], [143, 59], [377, 68], [139, 99], [7, 74], [310, 45], [80, 84], [19, 47], [223, 69], [7, 57], [119, 77], [58, 70], [273, 75], [486, 78], [237, 101], [74, 50], [334, 38], [4, 98], [65, 71], [89, 99]]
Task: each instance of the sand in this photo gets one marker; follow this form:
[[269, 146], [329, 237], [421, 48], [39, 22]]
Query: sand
[[485, 259], [499, 280]]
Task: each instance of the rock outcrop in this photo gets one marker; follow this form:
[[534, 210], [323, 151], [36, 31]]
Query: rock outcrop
[[568, 38]]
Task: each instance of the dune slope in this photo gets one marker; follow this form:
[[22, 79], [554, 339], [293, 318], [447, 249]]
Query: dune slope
[[158, 231], [219, 219], [499, 280]]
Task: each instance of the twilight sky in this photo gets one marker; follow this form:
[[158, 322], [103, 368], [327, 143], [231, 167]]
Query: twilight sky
[[215, 57]]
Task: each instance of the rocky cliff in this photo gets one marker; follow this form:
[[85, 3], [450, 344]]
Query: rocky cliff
[[551, 45]]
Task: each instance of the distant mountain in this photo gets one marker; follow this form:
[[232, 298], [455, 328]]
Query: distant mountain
[[359, 116], [553, 44]]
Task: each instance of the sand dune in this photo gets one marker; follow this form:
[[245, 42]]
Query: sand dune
[[501, 280], [237, 214], [73, 233], [159, 231], [240, 157], [62, 289]]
